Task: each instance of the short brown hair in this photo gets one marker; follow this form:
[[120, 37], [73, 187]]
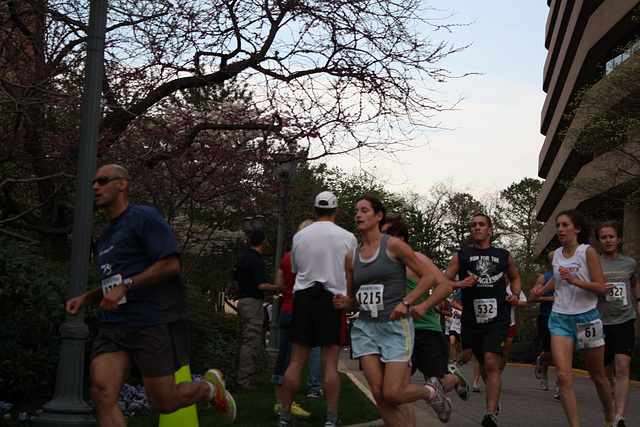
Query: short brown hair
[[489, 223], [613, 224]]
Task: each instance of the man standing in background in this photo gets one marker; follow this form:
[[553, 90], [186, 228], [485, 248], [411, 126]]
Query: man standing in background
[[317, 256], [251, 282]]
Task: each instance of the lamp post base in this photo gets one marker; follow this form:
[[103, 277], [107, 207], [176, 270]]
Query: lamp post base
[[66, 416]]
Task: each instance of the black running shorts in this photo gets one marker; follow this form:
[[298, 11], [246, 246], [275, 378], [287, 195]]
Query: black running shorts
[[543, 331], [157, 350], [489, 338], [619, 339], [430, 353], [314, 320]]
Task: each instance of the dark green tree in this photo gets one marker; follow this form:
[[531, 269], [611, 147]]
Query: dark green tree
[[426, 217], [518, 210], [460, 208], [349, 186]]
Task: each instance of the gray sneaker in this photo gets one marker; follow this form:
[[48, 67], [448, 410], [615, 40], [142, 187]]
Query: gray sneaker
[[538, 370], [439, 402], [489, 420], [460, 360], [329, 423], [544, 384]]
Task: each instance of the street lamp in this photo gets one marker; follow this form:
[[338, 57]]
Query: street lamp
[[285, 172], [253, 223], [68, 408]]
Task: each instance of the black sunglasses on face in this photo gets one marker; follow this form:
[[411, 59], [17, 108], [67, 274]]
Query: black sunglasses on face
[[104, 180]]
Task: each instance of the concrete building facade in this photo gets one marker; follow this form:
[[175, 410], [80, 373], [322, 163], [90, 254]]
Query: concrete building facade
[[592, 71]]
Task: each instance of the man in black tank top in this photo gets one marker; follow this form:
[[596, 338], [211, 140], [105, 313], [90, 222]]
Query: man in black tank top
[[481, 271]]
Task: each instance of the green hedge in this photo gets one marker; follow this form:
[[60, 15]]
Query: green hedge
[[31, 311]]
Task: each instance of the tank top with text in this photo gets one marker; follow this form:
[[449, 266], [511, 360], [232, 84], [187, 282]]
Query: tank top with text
[[571, 299]]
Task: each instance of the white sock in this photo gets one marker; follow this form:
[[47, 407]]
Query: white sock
[[213, 390], [433, 391]]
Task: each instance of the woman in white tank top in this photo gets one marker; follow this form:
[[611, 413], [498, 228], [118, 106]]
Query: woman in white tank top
[[574, 320]]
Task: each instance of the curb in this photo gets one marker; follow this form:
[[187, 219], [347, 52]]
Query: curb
[[580, 372]]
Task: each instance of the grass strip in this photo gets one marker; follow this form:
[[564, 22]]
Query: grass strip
[[255, 407]]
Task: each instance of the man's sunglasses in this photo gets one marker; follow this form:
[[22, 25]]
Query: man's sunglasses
[[104, 180]]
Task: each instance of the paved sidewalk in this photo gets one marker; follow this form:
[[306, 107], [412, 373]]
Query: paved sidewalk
[[523, 403]]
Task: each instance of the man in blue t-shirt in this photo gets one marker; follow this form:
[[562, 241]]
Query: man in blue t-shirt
[[481, 271], [145, 309]]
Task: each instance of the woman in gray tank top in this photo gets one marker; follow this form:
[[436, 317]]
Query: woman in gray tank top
[[382, 337]]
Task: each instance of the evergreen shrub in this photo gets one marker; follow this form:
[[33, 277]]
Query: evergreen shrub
[[32, 301]]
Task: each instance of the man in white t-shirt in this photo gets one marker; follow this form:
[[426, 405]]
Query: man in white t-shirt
[[317, 256]]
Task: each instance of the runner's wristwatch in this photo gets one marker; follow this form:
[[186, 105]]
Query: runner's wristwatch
[[406, 303], [128, 282]]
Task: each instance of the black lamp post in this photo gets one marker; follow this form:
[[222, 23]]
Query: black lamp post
[[285, 172], [68, 408]]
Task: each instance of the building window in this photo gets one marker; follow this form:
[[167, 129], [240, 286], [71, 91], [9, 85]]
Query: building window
[[611, 65]]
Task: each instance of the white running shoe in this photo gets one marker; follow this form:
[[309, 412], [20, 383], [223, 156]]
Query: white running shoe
[[439, 402]]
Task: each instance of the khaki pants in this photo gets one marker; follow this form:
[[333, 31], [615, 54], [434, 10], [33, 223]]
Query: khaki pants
[[250, 338]]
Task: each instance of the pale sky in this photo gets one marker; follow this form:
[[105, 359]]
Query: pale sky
[[496, 131]]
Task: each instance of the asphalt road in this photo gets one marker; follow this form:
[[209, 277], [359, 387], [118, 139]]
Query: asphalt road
[[523, 404]]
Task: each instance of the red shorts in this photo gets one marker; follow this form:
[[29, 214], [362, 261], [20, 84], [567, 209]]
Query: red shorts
[[512, 332]]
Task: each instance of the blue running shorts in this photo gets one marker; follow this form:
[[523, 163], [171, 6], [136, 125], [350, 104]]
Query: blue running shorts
[[566, 325], [392, 340]]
